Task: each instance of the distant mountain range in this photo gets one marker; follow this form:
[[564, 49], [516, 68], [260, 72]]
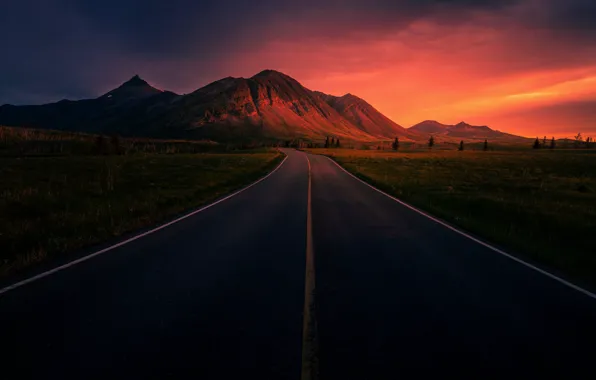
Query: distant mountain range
[[461, 130], [267, 105]]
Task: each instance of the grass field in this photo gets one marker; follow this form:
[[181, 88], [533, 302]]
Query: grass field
[[19, 142], [53, 205], [539, 204]]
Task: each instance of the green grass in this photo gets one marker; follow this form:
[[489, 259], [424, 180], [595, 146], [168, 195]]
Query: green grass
[[50, 206], [538, 204]]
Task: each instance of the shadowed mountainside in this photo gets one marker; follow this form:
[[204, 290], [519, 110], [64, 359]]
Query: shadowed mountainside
[[269, 104], [117, 111]]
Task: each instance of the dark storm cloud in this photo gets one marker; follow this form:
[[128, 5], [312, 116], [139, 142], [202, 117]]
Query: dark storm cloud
[[208, 27], [578, 15], [67, 48]]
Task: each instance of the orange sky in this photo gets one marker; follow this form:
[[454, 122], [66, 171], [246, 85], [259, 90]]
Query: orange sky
[[483, 70], [410, 84], [522, 66]]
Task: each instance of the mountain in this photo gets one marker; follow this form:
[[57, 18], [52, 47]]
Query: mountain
[[364, 116], [269, 104], [430, 127], [112, 112], [134, 89], [461, 130]]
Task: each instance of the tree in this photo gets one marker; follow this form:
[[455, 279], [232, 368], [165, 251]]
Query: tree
[[461, 146], [337, 143], [578, 139], [327, 142], [485, 148], [332, 142], [589, 141], [552, 143], [536, 144], [431, 142], [395, 144], [544, 141]]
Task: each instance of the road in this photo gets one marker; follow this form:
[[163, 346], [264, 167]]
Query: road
[[221, 294]]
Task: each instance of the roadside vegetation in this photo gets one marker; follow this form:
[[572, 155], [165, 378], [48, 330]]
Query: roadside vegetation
[[540, 204], [19, 142], [56, 200]]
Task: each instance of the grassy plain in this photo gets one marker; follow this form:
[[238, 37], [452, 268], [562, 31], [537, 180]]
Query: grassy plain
[[52, 205], [18, 142], [538, 204]]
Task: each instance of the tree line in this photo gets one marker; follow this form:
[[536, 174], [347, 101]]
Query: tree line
[[578, 142], [431, 144], [333, 143]]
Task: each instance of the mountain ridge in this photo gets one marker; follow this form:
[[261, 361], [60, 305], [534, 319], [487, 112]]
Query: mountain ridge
[[270, 105], [461, 130]]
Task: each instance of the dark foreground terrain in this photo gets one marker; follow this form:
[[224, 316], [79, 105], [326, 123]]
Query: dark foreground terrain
[[221, 294]]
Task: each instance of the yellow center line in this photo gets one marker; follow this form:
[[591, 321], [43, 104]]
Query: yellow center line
[[309, 346]]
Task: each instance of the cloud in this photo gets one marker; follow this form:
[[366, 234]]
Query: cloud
[[562, 119], [411, 58]]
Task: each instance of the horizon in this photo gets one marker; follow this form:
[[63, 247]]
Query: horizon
[[137, 76], [522, 67]]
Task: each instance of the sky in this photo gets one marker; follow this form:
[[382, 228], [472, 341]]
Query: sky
[[522, 66]]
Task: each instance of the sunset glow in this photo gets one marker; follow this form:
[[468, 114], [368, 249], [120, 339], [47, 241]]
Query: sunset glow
[[525, 67]]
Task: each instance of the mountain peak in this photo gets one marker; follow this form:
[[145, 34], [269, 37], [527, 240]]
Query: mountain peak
[[268, 73], [430, 126], [135, 81], [350, 96], [134, 88]]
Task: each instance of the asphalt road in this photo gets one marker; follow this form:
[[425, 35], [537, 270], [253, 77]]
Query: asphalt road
[[221, 295]]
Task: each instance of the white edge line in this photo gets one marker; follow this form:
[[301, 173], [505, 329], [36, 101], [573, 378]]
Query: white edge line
[[552, 276], [92, 255]]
